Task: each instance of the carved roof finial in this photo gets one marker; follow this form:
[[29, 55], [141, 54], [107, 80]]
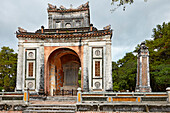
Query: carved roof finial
[[50, 6], [86, 5], [21, 30], [62, 7], [107, 27], [143, 46]]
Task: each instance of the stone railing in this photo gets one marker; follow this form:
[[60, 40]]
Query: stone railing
[[15, 96], [110, 97], [123, 101], [11, 96]]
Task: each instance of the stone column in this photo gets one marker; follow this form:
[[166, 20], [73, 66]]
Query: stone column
[[85, 68], [41, 85], [90, 69], [52, 79], [19, 79], [50, 21], [168, 93], [108, 68], [143, 76]]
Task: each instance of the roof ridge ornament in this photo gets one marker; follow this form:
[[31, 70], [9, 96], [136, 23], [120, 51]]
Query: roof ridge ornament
[[86, 5], [50, 6], [108, 27], [62, 7], [21, 30]]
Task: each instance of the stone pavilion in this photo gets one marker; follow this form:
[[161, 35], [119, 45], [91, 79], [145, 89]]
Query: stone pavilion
[[50, 59]]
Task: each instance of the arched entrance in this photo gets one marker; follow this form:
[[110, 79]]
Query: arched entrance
[[63, 66]]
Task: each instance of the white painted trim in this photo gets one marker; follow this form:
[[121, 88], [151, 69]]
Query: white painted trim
[[62, 44], [140, 75], [89, 67], [97, 44], [23, 74], [138, 72], [104, 67], [19, 67], [148, 75], [85, 68], [37, 69], [32, 45]]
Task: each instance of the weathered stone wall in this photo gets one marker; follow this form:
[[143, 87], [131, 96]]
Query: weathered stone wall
[[82, 46], [75, 19], [20, 68]]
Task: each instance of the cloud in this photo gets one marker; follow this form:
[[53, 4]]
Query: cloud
[[131, 27]]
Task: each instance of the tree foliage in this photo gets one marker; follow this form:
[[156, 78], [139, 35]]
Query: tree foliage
[[8, 68], [119, 3], [124, 71], [159, 49]]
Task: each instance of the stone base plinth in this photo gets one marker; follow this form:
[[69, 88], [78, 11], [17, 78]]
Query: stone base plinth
[[143, 89]]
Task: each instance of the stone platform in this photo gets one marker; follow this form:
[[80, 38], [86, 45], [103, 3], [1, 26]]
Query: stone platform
[[72, 107], [97, 102]]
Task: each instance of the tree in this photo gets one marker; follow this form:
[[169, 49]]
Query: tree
[[159, 49], [8, 68], [119, 3], [124, 73]]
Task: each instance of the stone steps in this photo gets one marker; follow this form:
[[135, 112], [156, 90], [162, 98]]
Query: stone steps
[[56, 98], [62, 98], [44, 108], [52, 108], [48, 111]]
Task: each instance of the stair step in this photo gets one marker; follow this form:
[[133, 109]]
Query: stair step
[[52, 105], [49, 111], [50, 108], [62, 98], [55, 98]]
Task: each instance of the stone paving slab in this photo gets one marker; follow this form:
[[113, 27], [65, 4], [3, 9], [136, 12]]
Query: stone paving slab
[[50, 102], [118, 112], [10, 111]]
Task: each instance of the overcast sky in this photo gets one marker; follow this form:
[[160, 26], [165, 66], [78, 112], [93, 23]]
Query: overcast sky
[[131, 27]]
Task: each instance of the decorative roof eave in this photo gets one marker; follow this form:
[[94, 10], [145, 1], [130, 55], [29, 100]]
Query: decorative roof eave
[[43, 36], [62, 9], [67, 10]]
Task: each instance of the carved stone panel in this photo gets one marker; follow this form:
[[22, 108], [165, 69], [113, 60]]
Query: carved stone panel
[[97, 83], [70, 74], [97, 52], [97, 68], [30, 54], [30, 84], [30, 69]]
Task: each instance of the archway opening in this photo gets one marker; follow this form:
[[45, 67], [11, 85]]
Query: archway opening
[[63, 66]]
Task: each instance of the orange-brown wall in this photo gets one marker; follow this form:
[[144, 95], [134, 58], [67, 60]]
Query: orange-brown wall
[[48, 50]]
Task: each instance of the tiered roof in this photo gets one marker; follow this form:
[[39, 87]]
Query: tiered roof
[[64, 33]]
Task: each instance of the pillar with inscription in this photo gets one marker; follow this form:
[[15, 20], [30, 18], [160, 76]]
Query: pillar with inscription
[[143, 76]]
